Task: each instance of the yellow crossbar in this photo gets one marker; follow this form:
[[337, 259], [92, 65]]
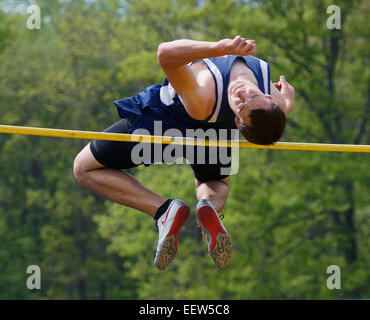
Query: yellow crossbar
[[76, 134]]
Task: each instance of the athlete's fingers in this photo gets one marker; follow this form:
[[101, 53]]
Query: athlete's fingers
[[243, 46], [249, 48], [246, 47], [240, 44], [253, 49], [236, 41], [285, 83], [252, 42]]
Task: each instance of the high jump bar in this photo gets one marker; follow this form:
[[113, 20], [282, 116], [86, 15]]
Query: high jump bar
[[91, 135]]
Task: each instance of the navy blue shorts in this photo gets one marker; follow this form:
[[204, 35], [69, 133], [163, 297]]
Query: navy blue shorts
[[116, 154]]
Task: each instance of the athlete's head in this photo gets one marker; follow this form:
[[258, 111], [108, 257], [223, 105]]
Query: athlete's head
[[260, 119]]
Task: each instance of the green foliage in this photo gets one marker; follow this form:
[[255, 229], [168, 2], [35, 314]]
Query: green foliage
[[290, 214]]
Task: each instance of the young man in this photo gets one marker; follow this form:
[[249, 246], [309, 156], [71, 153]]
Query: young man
[[215, 85]]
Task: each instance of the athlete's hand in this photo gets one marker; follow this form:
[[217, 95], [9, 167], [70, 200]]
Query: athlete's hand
[[287, 90], [238, 46]]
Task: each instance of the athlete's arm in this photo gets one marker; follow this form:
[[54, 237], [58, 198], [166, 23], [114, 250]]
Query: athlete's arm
[[174, 58], [286, 91]]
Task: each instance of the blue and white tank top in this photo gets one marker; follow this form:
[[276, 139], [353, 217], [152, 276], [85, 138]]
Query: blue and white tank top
[[164, 99]]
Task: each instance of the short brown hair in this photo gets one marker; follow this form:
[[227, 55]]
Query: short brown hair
[[267, 125]]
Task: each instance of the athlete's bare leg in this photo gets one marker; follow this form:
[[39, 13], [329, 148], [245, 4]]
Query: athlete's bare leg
[[114, 184], [214, 191]]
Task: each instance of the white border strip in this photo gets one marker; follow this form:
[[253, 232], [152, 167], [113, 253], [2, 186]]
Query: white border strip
[[265, 75], [220, 88]]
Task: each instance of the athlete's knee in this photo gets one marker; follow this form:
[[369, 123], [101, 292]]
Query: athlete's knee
[[84, 163], [79, 170]]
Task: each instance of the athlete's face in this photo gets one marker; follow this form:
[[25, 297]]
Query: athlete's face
[[247, 102]]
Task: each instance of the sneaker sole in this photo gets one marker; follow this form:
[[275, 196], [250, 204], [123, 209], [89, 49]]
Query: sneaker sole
[[222, 253], [168, 249], [221, 241]]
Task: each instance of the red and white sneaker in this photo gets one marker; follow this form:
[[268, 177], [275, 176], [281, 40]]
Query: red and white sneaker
[[169, 226], [217, 238]]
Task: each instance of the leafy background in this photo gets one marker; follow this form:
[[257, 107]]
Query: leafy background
[[290, 214]]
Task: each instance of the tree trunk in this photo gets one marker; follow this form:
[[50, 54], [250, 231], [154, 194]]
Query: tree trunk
[[350, 249]]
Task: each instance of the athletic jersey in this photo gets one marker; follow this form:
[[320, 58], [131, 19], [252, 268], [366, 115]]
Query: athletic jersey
[[165, 102]]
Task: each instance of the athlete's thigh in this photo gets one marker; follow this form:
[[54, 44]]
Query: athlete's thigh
[[210, 164], [86, 161], [114, 154]]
